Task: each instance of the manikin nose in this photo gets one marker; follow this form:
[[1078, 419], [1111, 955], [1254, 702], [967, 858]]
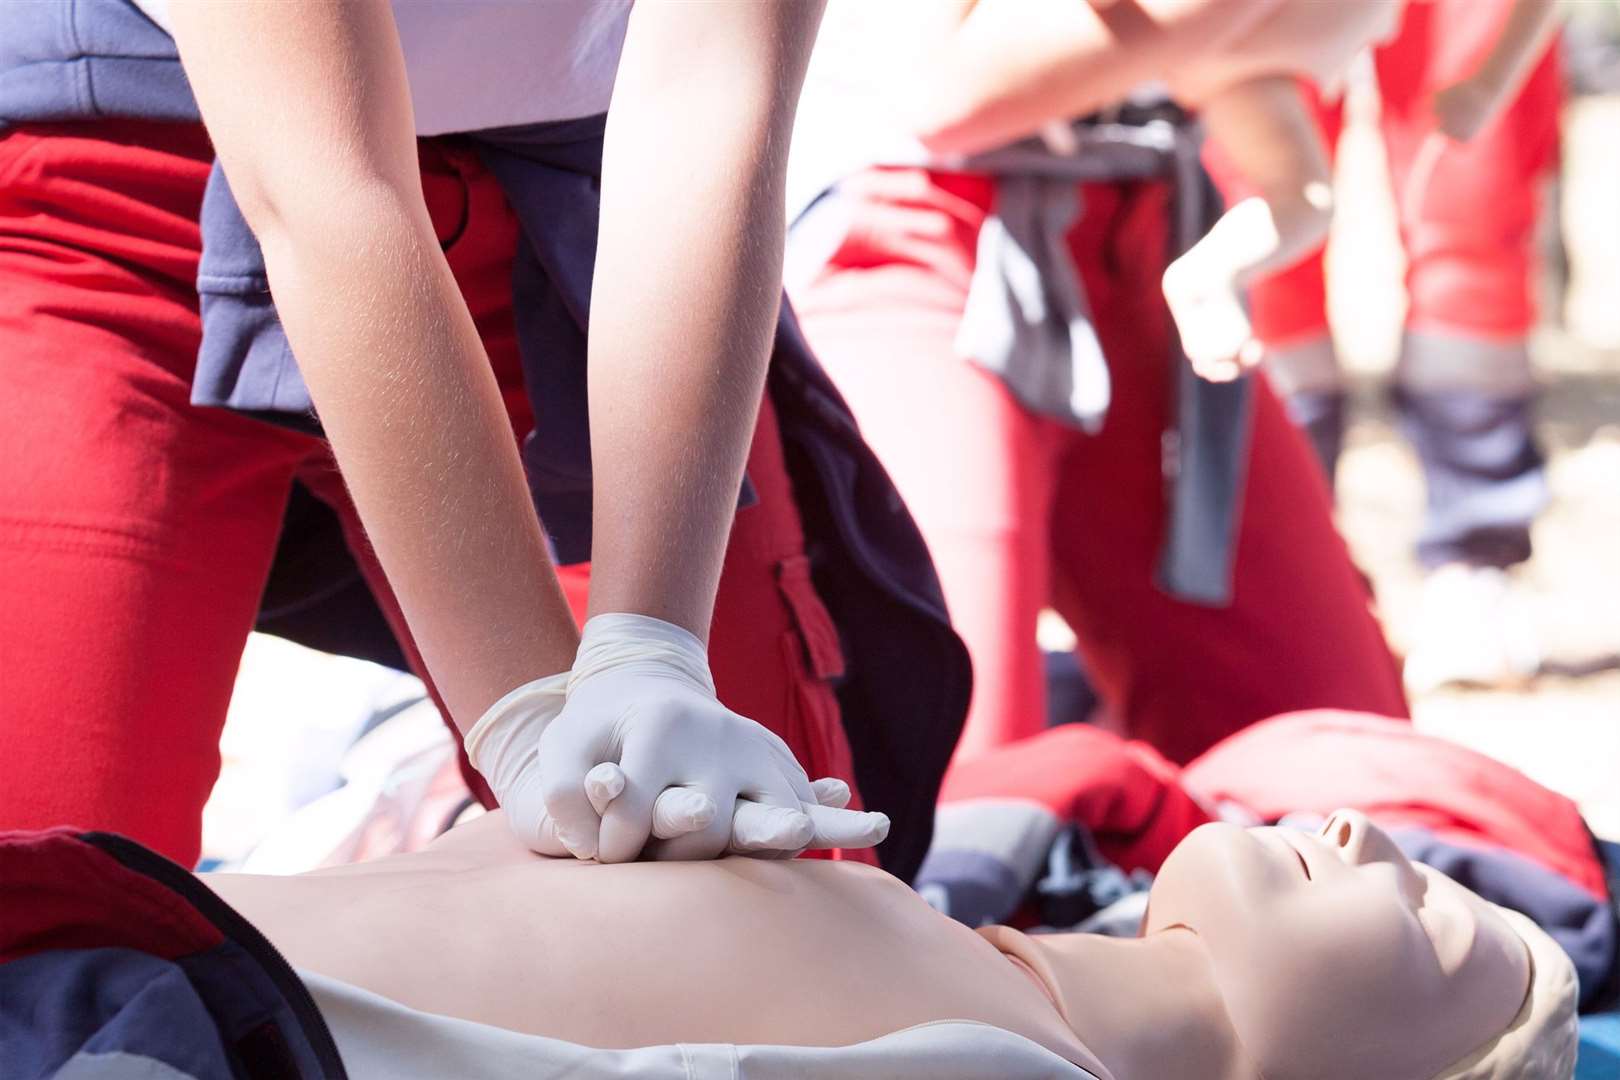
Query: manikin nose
[[1359, 842], [1340, 832]]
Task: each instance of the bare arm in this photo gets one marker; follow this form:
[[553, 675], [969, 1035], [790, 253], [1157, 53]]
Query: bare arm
[[1464, 108], [1265, 131], [688, 280], [307, 104], [997, 70], [1270, 137]]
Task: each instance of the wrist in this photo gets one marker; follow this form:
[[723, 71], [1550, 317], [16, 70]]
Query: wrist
[[514, 723], [621, 639]]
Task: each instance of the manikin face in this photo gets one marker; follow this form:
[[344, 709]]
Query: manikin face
[[1338, 957]]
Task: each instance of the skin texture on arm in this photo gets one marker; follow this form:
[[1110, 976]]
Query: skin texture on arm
[[1265, 130], [328, 180], [992, 71], [687, 286]]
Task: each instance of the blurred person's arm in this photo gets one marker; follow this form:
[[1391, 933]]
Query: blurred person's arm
[[991, 71], [1268, 136], [309, 110], [1463, 109]]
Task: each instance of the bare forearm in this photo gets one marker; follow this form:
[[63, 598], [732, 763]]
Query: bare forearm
[[423, 444], [1001, 69], [688, 281], [328, 180], [1520, 44], [1265, 130]]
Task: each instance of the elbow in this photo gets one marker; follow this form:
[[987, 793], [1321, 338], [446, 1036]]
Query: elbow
[[950, 123], [293, 218], [954, 108], [949, 135]]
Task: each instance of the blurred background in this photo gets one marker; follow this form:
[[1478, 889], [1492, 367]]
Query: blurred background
[[1563, 727]]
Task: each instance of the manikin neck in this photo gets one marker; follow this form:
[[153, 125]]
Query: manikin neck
[[1111, 985]]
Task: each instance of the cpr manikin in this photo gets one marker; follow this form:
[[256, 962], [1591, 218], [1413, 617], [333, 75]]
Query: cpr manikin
[[1248, 100], [1265, 953]]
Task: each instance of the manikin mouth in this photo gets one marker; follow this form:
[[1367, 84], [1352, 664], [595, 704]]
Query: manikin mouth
[[1281, 836]]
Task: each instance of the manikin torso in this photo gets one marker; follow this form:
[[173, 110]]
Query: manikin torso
[[1328, 957], [736, 951]]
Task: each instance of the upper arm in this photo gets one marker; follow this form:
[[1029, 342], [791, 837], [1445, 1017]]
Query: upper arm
[[726, 70], [306, 101], [990, 71]]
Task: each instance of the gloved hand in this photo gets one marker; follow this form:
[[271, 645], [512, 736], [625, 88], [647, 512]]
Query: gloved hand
[[640, 750]]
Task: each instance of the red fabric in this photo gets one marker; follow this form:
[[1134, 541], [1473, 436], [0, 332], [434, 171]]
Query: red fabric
[[1126, 794], [1317, 762], [58, 892], [1469, 234], [1020, 512], [136, 531], [1139, 806]]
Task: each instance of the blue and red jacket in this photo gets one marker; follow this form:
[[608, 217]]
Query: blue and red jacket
[[115, 962]]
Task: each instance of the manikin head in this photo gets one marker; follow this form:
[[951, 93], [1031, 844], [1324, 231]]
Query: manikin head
[[1336, 958]]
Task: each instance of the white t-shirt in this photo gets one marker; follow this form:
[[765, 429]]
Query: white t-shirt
[[476, 64]]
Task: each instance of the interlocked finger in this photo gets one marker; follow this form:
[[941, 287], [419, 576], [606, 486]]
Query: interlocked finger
[[759, 828], [681, 810], [833, 827]]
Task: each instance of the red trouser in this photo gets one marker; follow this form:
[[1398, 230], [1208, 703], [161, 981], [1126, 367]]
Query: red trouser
[[136, 531], [1468, 232], [1020, 511]]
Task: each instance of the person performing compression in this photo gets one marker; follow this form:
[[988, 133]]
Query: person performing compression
[[1265, 953], [113, 474], [475, 580]]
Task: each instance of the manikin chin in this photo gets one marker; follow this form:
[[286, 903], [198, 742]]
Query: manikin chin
[[1273, 953]]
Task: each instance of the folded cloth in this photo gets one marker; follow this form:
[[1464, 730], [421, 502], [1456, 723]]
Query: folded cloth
[[381, 1037]]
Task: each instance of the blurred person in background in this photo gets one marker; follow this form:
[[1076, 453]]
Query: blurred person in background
[[1465, 181], [435, 292], [992, 310]]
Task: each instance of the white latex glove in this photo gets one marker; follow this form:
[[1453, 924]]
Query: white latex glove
[[757, 829], [640, 750], [503, 746]]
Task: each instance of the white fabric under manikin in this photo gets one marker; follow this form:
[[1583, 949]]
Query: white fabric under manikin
[[380, 1037]]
